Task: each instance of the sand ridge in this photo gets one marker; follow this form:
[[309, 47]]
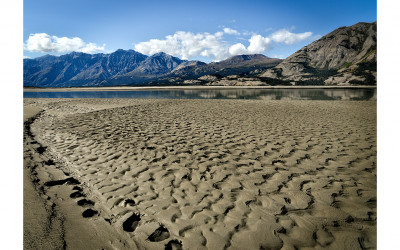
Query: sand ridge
[[220, 174]]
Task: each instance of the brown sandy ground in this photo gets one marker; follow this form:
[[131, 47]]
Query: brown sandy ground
[[52, 220], [207, 174]]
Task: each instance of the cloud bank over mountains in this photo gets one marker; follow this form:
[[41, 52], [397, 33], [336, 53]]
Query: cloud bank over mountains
[[187, 45], [182, 44]]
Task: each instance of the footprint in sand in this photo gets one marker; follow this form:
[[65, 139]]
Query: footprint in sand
[[131, 223], [85, 203], [41, 149], [77, 194], [159, 234], [69, 181], [173, 245], [89, 213]]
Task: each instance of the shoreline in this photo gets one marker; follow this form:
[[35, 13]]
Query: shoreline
[[34, 89]]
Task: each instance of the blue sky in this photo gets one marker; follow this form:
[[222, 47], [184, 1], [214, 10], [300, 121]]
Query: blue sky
[[203, 30]]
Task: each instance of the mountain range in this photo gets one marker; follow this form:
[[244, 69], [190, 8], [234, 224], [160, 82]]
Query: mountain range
[[346, 56], [128, 67]]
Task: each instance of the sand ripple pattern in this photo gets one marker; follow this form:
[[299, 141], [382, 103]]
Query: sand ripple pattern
[[226, 174]]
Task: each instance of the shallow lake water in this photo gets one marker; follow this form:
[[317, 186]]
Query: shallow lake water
[[266, 94]]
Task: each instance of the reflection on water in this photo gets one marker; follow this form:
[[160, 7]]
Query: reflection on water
[[265, 94]]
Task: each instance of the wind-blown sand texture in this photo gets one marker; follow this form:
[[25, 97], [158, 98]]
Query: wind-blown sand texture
[[208, 174]]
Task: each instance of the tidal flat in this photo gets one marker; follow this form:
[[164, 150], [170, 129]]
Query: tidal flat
[[199, 174]]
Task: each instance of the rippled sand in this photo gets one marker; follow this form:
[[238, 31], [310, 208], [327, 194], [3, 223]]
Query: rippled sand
[[215, 174]]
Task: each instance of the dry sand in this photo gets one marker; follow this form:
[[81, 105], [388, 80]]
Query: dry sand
[[200, 174]]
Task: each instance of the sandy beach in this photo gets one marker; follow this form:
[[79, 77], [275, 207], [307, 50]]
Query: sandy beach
[[199, 174]]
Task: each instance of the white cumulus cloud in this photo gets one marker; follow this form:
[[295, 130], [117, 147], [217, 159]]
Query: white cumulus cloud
[[238, 49], [287, 37], [187, 45], [231, 31], [42, 42], [257, 44]]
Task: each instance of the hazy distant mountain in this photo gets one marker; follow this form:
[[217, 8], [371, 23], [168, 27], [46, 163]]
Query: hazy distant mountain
[[79, 69], [345, 56]]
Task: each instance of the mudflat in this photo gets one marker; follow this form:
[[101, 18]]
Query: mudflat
[[201, 174]]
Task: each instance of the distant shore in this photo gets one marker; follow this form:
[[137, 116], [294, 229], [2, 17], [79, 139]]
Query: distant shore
[[128, 88]]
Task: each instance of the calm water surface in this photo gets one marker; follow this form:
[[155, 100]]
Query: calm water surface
[[266, 94]]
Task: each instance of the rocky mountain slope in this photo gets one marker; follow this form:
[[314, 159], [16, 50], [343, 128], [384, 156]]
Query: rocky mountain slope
[[241, 64], [157, 64], [345, 56]]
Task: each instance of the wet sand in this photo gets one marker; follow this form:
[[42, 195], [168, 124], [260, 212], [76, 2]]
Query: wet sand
[[203, 174]]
